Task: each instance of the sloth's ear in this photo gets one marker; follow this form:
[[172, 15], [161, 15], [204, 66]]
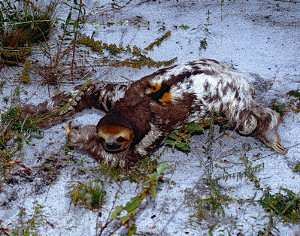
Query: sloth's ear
[[248, 126]]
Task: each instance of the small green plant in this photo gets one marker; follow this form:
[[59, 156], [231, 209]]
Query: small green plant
[[211, 205], [294, 93], [203, 44], [296, 168], [180, 139], [183, 27], [285, 204], [28, 224], [125, 214], [281, 108], [294, 101], [89, 195], [251, 170]]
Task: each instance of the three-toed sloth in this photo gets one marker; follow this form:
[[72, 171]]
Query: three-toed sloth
[[141, 114]]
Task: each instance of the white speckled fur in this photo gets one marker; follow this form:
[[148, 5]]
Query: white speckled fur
[[112, 96], [154, 134], [197, 87]]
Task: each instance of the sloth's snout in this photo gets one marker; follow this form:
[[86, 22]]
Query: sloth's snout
[[112, 147]]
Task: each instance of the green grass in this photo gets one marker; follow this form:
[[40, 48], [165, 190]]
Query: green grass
[[89, 194]]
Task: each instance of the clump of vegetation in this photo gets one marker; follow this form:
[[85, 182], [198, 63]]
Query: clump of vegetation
[[294, 102], [181, 138], [12, 56], [137, 58], [294, 93], [28, 224], [63, 61], [23, 23], [15, 129], [184, 27], [125, 214], [89, 195], [14, 124], [251, 170], [285, 205], [281, 108], [137, 173], [296, 168], [203, 44], [211, 205]]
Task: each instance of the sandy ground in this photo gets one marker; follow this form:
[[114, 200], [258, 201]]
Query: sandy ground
[[260, 38]]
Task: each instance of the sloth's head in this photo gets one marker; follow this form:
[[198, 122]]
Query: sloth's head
[[115, 134], [263, 123]]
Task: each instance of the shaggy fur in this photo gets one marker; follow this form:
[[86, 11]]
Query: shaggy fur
[[162, 101]]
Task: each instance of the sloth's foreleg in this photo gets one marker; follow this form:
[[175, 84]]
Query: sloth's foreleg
[[97, 94], [151, 141], [85, 139]]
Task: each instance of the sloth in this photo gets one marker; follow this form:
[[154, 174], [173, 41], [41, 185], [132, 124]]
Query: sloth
[[141, 114]]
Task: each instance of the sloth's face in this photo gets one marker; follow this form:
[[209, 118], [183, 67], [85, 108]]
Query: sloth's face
[[115, 138]]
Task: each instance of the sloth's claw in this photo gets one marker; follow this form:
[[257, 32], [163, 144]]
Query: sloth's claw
[[278, 147]]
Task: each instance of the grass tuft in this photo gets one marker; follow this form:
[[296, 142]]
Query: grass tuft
[[89, 194], [23, 23]]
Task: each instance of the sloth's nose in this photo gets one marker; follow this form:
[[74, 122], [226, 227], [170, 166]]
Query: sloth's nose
[[112, 147]]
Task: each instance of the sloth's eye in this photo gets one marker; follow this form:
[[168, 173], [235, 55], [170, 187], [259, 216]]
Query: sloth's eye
[[121, 139], [102, 140]]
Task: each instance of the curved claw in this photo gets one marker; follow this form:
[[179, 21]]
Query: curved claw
[[278, 147]]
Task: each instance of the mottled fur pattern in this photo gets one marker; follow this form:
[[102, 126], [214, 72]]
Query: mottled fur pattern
[[166, 99], [208, 87]]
